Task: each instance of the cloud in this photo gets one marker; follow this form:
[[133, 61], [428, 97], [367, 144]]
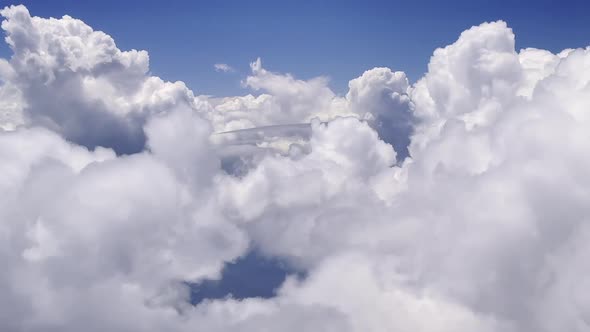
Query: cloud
[[67, 77], [457, 203], [222, 67]]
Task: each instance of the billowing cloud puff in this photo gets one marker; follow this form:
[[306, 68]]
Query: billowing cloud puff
[[458, 203], [75, 81]]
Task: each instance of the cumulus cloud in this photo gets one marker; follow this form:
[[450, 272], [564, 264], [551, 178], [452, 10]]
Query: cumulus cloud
[[76, 81], [223, 67], [457, 203]]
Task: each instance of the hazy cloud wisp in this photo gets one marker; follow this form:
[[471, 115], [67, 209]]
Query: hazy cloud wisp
[[222, 67]]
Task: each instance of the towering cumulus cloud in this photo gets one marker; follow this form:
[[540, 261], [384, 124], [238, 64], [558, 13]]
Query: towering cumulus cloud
[[458, 203]]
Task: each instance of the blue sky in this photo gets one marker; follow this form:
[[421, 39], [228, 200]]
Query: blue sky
[[338, 39]]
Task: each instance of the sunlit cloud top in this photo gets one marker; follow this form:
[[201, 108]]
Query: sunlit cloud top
[[455, 202]]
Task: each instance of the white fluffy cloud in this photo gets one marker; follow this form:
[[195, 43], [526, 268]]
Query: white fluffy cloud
[[75, 81], [480, 225]]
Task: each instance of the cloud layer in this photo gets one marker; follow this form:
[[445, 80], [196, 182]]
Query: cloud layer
[[458, 203]]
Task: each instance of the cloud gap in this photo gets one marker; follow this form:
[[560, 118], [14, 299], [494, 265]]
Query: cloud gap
[[250, 276]]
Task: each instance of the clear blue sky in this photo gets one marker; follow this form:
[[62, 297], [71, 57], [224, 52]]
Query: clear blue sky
[[339, 39]]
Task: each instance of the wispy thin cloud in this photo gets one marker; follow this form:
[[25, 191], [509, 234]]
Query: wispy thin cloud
[[223, 67]]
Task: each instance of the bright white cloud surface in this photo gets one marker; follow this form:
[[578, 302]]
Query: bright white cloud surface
[[117, 188]]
